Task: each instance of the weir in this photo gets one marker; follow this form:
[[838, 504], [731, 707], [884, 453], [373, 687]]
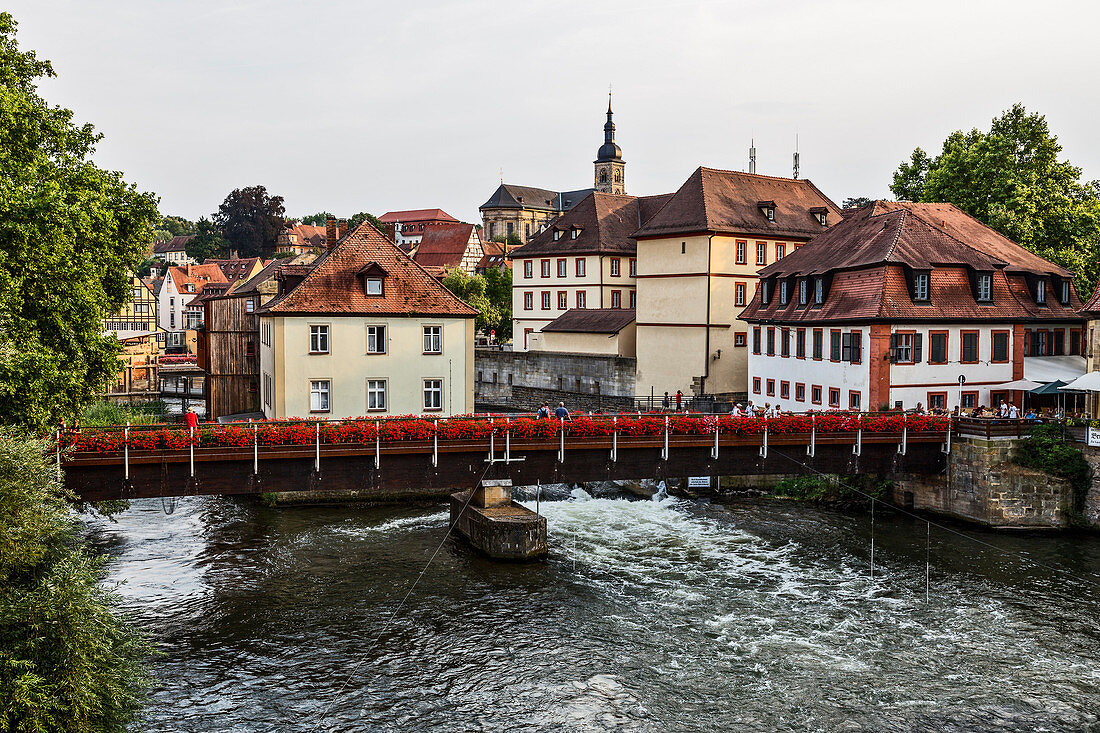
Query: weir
[[497, 525]]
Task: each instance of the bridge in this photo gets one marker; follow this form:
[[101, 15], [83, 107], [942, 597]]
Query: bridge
[[429, 458]]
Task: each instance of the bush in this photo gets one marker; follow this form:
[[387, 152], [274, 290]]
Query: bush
[[828, 489], [1045, 449]]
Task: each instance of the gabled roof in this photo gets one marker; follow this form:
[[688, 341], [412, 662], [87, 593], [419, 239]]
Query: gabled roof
[[444, 245], [727, 202], [496, 255], [333, 286], [237, 269], [199, 276], [209, 291], [175, 244], [1093, 304], [591, 320], [308, 234], [251, 285], [511, 196], [604, 223], [391, 217]]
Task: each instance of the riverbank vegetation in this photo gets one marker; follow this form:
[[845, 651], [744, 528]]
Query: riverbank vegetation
[[1046, 449], [858, 489], [107, 414]]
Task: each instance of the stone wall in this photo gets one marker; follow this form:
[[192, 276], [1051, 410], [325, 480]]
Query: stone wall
[[983, 485], [523, 380], [1091, 510]]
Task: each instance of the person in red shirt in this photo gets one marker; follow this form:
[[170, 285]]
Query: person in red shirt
[[192, 419]]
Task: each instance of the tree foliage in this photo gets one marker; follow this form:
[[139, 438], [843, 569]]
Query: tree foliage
[[69, 234], [208, 242], [1011, 178], [1047, 450], [317, 220], [250, 220], [67, 662], [489, 295], [177, 226], [364, 216], [856, 202]]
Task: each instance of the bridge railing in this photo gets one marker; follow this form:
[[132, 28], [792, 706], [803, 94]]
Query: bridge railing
[[371, 431]]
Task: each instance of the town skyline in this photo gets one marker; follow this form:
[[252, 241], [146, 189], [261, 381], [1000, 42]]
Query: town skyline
[[197, 100]]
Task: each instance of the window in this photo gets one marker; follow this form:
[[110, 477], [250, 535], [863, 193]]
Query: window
[[318, 339], [937, 347], [815, 394], [985, 287], [756, 385], [905, 348], [761, 253], [803, 292], [580, 266], [574, 233], [633, 268], [250, 348], [1074, 342], [616, 299], [528, 301], [374, 286], [433, 394], [785, 342], [739, 339], [268, 383], [1059, 343], [1041, 292], [853, 401], [319, 395], [376, 339], [563, 300], [1000, 347], [249, 305], [433, 339], [799, 392], [633, 299], [857, 347], [683, 248], [834, 397], [1039, 343], [819, 291], [527, 337], [739, 294], [756, 339], [969, 400], [920, 286], [528, 268], [780, 251], [546, 300], [771, 214], [545, 265], [800, 343], [741, 252], [785, 390], [818, 343], [784, 296], [144, 307], [376, 395], [937, 400], [614, 267], [771, 341], [581, 299], [1065, 292], [557, 235], [969, 347], [834, 346], [765, 296], [771, 388]]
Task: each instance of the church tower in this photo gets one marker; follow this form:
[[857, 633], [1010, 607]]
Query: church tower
[[610, 168]]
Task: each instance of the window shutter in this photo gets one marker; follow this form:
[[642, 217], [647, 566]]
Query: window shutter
[[857, 347], [893, 348], [917, 348]]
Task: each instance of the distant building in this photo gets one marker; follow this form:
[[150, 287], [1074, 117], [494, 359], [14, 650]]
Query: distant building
[[238, 270], [365, 331], [409, 226], [138, 315], [182, 285], [300, 238], [495, 257], [906, 303], [174, 250], [448, 247], [607, 331]]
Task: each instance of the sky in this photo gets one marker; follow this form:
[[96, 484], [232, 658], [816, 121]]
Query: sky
[[353, 105]]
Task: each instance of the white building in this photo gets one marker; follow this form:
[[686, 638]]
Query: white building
[[182, 285], [367, 331], [906, 303]]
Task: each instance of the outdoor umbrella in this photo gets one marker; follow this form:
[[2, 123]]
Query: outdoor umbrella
[[1050, 387], [1085, 383]]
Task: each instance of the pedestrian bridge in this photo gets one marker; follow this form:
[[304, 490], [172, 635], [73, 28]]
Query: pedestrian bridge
[[422, 457]]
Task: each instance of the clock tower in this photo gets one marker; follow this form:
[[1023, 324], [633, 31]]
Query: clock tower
[[610, 168]]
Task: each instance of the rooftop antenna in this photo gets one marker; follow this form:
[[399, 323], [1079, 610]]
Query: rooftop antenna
[[752, 155], [796, 155], [502, 174]]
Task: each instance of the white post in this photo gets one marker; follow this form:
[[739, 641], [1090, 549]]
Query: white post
[[904, 438], [377, 445], [811, 450], [664, 451], [615, 439], [192, 447], [717, 429], [947, 447], [58, 445], [858, 447], [507, 440], [561, 450], [255, 451], [492, 441], [317, 453], [435, 444], [126, 449], [764, 444]]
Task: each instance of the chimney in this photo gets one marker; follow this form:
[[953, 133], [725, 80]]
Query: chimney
[[391, 231], [331, 235], [189, 269], [341, 228]]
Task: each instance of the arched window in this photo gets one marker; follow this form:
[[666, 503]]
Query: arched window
[[603, 176]]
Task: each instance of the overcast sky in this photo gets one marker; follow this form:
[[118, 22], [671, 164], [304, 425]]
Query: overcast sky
[[354, 106]]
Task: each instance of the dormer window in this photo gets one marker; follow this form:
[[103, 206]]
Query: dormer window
[[767, 208], [803, 292], [920, 286], [374, 286], [1041, 292], [574, 233], [819, 290], [372, 279], [764, 292], [557, 235], [784, 297], [821, 214], [985, 287], [1065, 292], [190, 287]]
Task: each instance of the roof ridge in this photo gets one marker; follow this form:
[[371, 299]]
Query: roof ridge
[[897, 235], [703, 198], [762, 175], [948, 234]]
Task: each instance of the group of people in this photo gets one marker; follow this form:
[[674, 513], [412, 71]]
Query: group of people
[[544, 413], [1009, 411], [753, 410]]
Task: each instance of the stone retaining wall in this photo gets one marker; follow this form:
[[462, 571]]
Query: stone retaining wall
[[525, 379]]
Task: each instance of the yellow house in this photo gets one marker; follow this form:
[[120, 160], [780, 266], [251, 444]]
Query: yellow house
[[697, 263], [366, 332]]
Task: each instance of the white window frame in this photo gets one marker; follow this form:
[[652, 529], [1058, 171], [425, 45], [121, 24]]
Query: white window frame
[[922, 284], [819, 290], [379, 336], [249, 305], [985, 287], [1041, 292], [563, 267], [374, 281], [528, 301], [433, 339], [433, 395], [581, 266], [318, 333], [320, 395], [528, 269], [376, 388], [739, 294]]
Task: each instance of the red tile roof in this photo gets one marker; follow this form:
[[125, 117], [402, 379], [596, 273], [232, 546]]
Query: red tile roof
[[444, 245], [604, 223], [391, 217], [236, 269], [199, 276], [727, 202], [175, 244], [496, 255], [308, 235], [333, 285], [1093, 304]]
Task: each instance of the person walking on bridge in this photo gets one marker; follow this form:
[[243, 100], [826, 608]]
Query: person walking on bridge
[[543, 411], [561, 413], [679, 400]]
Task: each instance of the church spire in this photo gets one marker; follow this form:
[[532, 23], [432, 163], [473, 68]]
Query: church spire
[[610, 168]]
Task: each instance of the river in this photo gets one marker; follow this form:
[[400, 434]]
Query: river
[[670, 615]]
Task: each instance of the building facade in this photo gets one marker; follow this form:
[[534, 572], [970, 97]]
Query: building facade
[[366, 331], [448, 247], [409, 226], [903, 304], [138, 314], [174, 250], [181, 285], [300, 239], [697, 262]]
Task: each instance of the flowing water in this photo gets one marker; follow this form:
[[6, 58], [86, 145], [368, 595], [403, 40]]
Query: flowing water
[[668, 615]]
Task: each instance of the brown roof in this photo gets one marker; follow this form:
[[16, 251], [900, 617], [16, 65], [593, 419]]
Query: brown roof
[[308, 234], [444, 245], [209, 291], [175, 244], [592, 320], [416, 215], [197, 275], [727, 202], [332, 285], [496, 255], [236, 269], [1093, 304], [867, 260], [604, 223]]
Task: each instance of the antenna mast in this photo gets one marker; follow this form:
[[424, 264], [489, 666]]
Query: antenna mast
[[796, 156], [752, 156]]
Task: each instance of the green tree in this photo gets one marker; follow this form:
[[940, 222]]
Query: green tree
[[67, 662], [364, 216], [317, 220], [514, 239], [208, 242], [177, 226], [70, 233], [250, 220], [472, 291], [147, 265], [498, 289], [1011, 178], [856, 202]]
